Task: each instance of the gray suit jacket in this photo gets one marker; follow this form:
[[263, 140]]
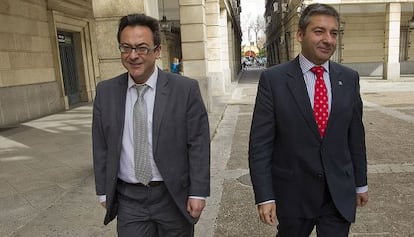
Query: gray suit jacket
[[288, 160], [181, 140]]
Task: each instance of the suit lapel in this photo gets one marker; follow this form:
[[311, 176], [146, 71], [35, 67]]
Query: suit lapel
[[120, 98], [161, 99], [337, 80], [298, 89]]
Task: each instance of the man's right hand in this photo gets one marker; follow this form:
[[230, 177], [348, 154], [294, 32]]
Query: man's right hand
[[362, 199], [103, 204], [267, 213]]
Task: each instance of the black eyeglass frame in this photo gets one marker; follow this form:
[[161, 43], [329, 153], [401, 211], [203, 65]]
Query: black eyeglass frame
[[140, 50]]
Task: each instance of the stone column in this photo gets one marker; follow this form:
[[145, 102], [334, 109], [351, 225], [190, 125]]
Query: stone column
[[214, 48], [107, 14], [226, 49], [165, 53], [234, 51], [392, 42], [194, 43]]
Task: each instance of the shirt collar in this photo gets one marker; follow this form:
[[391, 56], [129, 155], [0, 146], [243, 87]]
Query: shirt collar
[[307, 65], [151, 82]]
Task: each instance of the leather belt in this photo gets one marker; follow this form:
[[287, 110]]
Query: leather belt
[[150, 184]]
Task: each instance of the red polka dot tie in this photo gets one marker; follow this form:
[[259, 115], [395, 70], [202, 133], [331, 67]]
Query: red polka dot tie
[[320, 102]]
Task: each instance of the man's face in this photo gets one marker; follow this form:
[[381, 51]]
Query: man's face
[[139, 65], [319, 39]]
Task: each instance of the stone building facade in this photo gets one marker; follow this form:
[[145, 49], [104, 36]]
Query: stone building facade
[[375, 35], [54, 52]]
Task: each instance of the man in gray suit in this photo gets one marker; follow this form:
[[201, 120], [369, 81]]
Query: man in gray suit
[[178, 141], [307, 153]]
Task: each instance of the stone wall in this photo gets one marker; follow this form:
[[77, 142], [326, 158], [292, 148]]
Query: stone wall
[[31, 83], [26, 62]]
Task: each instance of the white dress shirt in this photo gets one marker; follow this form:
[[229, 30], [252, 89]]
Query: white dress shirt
[[127, 163]]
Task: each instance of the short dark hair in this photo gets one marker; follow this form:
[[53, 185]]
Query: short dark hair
[[316, 9], [140, 20]]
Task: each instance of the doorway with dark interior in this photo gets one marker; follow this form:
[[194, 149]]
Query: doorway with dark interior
[[69, 68]]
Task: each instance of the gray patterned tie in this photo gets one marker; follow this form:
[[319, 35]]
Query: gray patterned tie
[[141, 150]]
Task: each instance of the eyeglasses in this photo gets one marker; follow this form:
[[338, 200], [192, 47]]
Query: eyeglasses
[[125, 48]]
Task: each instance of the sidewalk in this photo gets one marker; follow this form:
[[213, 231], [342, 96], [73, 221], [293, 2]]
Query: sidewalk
[[389, 124], [47, 186], [46, 179]]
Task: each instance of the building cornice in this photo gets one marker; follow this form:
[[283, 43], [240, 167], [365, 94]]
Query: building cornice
[[80, 8]]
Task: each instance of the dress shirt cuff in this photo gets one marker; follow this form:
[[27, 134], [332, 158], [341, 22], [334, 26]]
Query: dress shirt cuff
[[266, 202], [196, 197], [362, 189], [102, 198]]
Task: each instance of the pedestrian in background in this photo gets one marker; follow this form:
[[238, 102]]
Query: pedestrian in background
[[244, 64], [151, 142], [175, 65], [307, 155]]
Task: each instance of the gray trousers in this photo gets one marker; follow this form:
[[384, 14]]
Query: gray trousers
[[149, 212]]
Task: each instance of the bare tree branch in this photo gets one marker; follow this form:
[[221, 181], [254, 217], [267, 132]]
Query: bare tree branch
[[256, 26]]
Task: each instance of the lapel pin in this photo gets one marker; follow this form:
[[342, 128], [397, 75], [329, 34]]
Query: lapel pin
[[340, 83]]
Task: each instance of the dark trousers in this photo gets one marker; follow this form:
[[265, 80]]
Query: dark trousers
[[149, 212], [329, 223]]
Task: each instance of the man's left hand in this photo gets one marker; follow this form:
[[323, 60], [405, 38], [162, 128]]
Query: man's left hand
[[195, 207], [361, 199]]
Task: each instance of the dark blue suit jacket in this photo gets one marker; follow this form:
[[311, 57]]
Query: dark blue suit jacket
[[181, 139], [288, 160]]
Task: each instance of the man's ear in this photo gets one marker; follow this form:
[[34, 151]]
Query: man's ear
[[299, 36], [158, 52]]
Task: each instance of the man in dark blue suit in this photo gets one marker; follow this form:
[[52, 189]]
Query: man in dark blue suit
[[307, 154]]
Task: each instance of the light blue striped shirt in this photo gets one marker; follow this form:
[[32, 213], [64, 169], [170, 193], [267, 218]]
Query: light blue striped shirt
[[310, 78], [310, 81]]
